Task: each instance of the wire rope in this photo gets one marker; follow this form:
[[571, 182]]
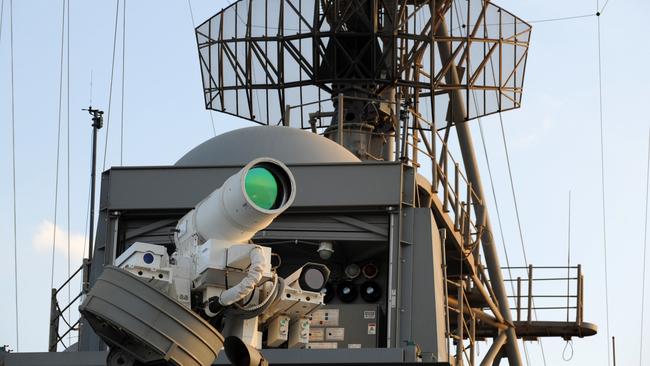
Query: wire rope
[[572, 17], [68, 155], [13, 165], [604, 6], [122, 92], [110, 85], [2, 10], [189, 6], [602, 178], [645, 245], [58, 143]]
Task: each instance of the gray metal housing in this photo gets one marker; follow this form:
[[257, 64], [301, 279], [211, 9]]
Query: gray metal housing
[[367, 207]]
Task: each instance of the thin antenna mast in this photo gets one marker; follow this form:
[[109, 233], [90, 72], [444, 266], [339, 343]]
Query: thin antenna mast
[[98, 122]]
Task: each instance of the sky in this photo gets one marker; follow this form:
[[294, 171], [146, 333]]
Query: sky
[[553, 141]]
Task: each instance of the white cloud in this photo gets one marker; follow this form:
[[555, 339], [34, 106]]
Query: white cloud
[[43, 239]]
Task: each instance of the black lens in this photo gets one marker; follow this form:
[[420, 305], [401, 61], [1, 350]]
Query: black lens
[[313, 277], [347, 291], [329, 293], [370, 291]]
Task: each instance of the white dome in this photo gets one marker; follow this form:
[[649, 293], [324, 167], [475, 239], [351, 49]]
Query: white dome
[[289, 145]]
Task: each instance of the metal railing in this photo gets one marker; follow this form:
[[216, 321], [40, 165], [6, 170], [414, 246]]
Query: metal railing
[[448, 181], [534, 292], [57, 312]]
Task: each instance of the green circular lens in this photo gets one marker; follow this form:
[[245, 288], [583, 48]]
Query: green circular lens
[[261, 187]]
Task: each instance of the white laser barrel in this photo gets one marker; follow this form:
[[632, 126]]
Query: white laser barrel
[[246, 203]]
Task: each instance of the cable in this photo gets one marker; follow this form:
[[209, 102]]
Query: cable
[[645, 246], [561, 18], [604, 6], [526, 352], [189, 6], [13, 163], [494, 196], [58, 144], [110, 85], [214, 131], [123, 71], [68, 153], [2, 10], [512, 187], [568, 346], [602, 180]]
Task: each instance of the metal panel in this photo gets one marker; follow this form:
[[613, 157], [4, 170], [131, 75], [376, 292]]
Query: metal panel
[[428, 322], [322, 185], [361, 324]]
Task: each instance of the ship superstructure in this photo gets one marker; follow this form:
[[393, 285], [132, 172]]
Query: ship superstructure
[[363, 102]]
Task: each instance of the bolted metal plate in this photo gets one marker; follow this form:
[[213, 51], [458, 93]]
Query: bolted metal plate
[[129, 314]]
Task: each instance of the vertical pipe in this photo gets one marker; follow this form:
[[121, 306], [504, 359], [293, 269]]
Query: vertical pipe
[[457, 198], [518, 299], [393, 262], [93, 178], [579, 294], [341, 116], [286, 121], [460, 325], [398, 126], [405, 132], [443, 242], [458, 114], [472, 343], [445, 181], [614, 350], [434, 159]]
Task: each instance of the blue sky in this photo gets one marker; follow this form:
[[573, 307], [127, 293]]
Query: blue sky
[[554, 142]]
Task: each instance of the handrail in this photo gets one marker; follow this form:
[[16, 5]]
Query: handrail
[[56, 312], [525, 296]]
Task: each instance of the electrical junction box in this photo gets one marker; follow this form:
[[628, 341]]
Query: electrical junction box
[[278, 331], [299, 333], [345, 326]]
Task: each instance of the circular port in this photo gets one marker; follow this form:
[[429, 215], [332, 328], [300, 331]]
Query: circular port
[[370, 271]]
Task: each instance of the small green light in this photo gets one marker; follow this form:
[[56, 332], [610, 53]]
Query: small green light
[[261, 187]]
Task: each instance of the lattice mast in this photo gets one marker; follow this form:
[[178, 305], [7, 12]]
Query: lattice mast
[[389, 80]]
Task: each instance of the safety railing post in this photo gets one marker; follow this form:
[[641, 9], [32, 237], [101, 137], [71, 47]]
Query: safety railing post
[[530, 292], [518, 299]]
